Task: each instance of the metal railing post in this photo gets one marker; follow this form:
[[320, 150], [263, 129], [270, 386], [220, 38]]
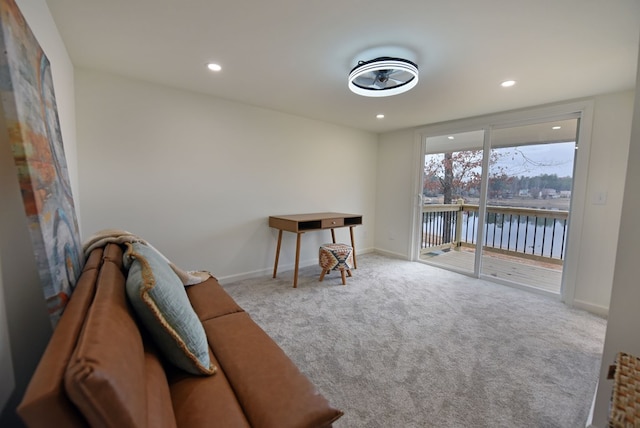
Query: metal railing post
[[458, 237]]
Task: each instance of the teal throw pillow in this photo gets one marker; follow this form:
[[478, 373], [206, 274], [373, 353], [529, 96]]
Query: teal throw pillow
[[159, 299]]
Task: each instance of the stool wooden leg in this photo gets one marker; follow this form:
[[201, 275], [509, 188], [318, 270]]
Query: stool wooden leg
[[349, 272], [344, 279], [324, 272]]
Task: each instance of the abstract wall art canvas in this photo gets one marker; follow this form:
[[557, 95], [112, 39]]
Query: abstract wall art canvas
[[31, 121]]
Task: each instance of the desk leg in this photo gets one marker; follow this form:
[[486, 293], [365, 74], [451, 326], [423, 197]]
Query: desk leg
[[295, 272], [353, 244], [275, 265], [333, 235]]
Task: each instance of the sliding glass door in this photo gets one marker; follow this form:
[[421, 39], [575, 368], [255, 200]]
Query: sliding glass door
[[530, 179], [451, 180], [496, 201]]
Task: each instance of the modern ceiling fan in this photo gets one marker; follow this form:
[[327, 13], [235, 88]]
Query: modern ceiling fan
[[383, 76]]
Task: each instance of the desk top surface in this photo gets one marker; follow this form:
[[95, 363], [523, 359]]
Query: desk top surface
[[313, 216]]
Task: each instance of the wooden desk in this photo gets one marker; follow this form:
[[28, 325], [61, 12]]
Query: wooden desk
[[301, 223]]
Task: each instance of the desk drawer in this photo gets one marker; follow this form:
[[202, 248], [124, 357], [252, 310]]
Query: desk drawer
[[328, 223]]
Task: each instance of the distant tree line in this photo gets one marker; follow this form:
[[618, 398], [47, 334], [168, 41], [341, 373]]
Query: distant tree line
[[545, 181], [538, 186]]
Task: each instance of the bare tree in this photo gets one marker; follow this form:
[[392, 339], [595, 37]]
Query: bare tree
[[455, 173]]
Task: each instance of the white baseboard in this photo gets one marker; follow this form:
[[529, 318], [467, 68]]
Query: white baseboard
[[390, 254], [525, 287], [603, 311], [366, 250], [281, 268], [245, 275], [266, 271], [593, 406]]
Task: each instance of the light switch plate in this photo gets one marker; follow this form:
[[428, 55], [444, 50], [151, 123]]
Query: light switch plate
[[599, 198]]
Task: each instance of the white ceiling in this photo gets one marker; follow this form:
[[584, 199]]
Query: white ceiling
[[294, 56]]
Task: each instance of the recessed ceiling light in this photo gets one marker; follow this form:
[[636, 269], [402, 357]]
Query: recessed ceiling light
[[556, 127], [214, 67], [380, 116], [451, 137], [508, 83]]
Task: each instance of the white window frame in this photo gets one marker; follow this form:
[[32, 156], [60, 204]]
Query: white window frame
[[583, 109]]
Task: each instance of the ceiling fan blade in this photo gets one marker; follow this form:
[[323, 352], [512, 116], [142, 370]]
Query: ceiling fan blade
[[396, 82], [365, 81], [369, 75], [401, 75]]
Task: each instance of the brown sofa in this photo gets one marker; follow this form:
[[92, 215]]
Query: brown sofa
[[101, 369]]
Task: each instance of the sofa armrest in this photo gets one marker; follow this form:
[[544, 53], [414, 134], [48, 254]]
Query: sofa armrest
[[268, 385], [45, 399]]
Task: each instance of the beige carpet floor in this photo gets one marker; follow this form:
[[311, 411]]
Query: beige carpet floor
[[409, 345]]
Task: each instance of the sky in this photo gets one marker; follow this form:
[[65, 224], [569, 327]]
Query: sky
[[530, 161]]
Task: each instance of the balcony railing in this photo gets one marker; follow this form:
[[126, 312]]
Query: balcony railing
[[531, 233]]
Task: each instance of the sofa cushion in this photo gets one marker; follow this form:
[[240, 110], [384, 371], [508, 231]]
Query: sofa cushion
[[210, 300], [159, 405], [105, 377], [160, 301], [198, 401], [270, 388]]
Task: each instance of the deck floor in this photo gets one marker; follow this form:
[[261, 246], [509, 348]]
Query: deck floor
[[511, 269]]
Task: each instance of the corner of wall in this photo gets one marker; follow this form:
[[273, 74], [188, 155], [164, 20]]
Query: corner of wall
[[27, 320], [621, 334], [7, 379]]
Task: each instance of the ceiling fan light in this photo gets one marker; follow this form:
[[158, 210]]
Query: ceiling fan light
[[383, 77]]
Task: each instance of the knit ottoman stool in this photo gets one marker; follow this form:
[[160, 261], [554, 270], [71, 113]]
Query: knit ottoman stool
[[336, 256]]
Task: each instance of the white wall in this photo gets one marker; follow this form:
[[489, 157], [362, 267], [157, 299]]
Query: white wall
[[198, 176], [398, 166], [25, 316], [624, 317], [607, 165], [395, 192]]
